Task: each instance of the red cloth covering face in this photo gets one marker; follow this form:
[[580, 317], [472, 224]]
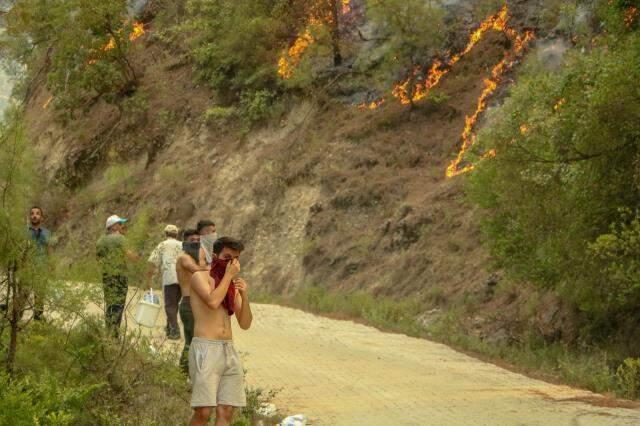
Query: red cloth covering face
[[218, 268]]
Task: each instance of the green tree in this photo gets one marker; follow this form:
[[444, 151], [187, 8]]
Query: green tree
[[567, 146], [81, 46], [235, 44], [22, 273]]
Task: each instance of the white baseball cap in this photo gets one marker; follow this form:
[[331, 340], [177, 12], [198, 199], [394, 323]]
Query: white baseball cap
[[112, 220]]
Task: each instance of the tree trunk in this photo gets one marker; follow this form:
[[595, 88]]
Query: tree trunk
[[335, 33], [13, 320]]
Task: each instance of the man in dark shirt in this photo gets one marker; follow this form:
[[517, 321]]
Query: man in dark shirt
[[41, 238], [113, 254]]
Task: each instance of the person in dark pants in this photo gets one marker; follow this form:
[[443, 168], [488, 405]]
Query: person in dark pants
[[113, 255], [163, 258], [41, 237], [187, 265]]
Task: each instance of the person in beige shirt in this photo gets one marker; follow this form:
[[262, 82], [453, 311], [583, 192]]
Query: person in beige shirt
[[163, 259], [215, 369]]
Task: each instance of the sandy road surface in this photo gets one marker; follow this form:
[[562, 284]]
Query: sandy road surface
[[343, 373]]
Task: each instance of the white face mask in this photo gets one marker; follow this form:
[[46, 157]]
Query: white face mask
[[206, 241]]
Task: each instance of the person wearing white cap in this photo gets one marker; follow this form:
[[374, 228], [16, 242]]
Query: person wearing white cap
[[163, 258], [113, 255]]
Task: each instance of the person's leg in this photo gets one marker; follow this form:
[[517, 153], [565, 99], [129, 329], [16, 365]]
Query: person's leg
[[108, 286], [171, 299], [115, 290], [186, 316], [224, 415], [231, 393], [200, 416]]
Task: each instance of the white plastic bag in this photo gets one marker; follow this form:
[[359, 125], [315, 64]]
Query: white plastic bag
[[297, 420]]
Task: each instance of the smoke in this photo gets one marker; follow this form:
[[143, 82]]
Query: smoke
[[551, 53], [135, 7]]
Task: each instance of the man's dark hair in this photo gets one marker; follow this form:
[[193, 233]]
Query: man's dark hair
[[228, 242], [203, 224], [187, 233], [37, 207]]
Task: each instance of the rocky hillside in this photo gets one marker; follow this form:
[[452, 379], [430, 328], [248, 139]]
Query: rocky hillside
[[329, 194]]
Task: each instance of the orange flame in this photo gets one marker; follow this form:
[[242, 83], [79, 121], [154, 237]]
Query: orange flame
[[371, 105], [490, 85], [346, 6], [497, 22], [559, 104], [524, 129], [136, 32], [47, 102], [630, 16], [490, 154], [289, 60]]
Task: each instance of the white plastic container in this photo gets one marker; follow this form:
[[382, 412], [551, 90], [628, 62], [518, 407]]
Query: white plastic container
[[148, 310]]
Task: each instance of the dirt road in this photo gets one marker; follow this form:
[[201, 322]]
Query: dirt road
[[343, 373]]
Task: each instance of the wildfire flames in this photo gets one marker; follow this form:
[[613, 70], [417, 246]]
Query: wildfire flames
[[137, 31], [47, 102], [490, 85], [290, 59], [497, 22], [371, 105], [346, 6], [288, 62]]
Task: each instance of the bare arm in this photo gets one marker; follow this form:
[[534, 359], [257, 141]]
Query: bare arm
[[187, 263], [242, 307], [202, 258], [213, 296]]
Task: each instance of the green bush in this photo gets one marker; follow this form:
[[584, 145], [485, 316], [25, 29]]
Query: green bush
[[216, 113], [42, 400], [628, 376], [78, 374], [256, 106], [618, 254]]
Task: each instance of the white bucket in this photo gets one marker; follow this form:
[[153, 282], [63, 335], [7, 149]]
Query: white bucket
[[147, 312]]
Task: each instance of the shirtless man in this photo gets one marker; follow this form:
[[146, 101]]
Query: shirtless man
[[187, 265], [217, 377]]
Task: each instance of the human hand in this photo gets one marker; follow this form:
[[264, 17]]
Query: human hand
[[233, 267], [241, 286]]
